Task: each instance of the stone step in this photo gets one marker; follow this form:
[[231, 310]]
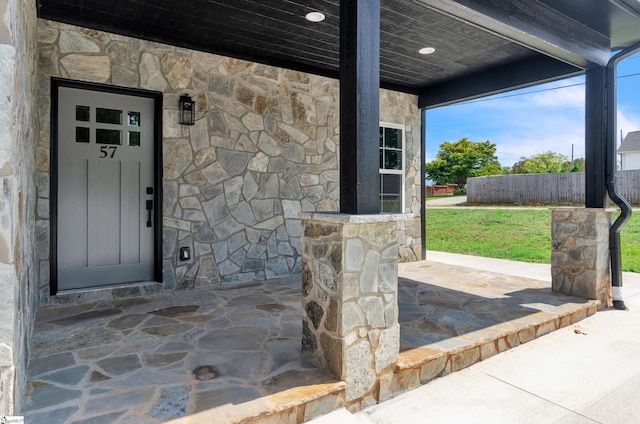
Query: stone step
[[414, 367], [294, 405], [422, 364]]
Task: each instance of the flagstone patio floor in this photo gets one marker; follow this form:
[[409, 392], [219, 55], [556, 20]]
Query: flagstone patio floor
[[232, 354]]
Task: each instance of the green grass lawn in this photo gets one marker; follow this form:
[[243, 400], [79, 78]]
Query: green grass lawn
[[517, 234]]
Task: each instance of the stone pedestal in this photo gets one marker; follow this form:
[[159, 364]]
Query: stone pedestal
[[350, 298], [580, 261]]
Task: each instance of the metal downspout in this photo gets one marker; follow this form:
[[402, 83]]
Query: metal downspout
[[611, 165]]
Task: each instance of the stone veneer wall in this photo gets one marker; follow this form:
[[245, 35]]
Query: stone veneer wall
[[350, 299], [264, 148], [18, 279], [580, 258]]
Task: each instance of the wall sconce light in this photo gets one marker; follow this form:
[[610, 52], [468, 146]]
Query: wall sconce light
[[187, 110]]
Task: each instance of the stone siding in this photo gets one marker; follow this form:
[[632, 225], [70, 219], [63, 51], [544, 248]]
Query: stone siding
[[264, 147], [580, 259], [350, 299], [18, 278]]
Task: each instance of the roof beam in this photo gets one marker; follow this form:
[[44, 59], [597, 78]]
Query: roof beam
[[528, 72], [534, 25]]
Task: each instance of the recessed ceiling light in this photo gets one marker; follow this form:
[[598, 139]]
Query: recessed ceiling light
[[426, 50], [315, 17]]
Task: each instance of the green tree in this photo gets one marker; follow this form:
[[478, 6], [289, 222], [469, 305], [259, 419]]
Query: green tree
[[455, 162], [542, 163], [518, 167], [578, 165]]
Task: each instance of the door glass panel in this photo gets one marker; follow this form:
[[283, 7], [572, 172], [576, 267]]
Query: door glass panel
[[134, 138], [83, 113], [134, 119], [108, 116], [82, 135], [108, 136]]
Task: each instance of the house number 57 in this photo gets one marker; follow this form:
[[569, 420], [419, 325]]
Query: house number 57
[[107, 151]]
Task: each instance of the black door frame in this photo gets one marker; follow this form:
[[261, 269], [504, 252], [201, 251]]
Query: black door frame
[[157, 98]]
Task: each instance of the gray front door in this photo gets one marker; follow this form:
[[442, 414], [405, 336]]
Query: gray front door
[[105, 189]]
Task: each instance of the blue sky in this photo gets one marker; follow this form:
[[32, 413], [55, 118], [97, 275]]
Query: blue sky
[[548, 117]]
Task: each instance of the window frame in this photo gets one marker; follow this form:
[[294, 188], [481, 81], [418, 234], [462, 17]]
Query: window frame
[[402, 171]]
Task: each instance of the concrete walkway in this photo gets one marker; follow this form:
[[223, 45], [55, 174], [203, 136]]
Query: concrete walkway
[[446, 201], [540, 272], [588, 372]]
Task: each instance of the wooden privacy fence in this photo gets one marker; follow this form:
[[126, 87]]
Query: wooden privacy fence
[[531, 189], [438, 190]]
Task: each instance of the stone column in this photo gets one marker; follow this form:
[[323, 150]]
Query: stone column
[[350, 298], [580, 261]]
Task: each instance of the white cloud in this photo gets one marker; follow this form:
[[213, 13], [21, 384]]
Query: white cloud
[[627, 121], [563, 94], [539, 132], [559, 98], [535, 123]]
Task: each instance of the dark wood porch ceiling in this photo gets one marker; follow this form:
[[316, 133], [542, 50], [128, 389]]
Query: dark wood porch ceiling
[[480, 46]]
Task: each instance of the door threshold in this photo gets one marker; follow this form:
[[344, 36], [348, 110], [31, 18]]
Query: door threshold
[[106, 293]]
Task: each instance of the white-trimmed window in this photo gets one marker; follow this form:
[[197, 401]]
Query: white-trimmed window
[[391, 167]]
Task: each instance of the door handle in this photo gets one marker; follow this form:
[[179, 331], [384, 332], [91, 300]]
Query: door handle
[[149, 209]]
